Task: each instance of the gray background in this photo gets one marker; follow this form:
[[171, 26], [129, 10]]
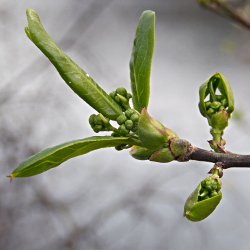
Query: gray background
[[106, 199]]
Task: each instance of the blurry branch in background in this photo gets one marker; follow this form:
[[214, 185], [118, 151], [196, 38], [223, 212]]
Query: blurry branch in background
[[238, 11]]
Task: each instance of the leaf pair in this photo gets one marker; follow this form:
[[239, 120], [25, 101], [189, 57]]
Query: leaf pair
[[87, 89]]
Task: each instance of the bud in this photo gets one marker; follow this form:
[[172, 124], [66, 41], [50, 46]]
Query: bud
[[121, 119], [162, 155], [219, 120], [205, 198], [180, 148], [151, 132], [216, 83], [129, 124], [141, 153]]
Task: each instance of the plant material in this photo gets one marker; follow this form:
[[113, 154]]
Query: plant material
[[132, 126]]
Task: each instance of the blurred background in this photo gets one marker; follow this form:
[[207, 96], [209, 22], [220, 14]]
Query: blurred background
[[106, 199]]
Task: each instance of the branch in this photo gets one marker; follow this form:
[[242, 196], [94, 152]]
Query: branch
[[224, 9], [228, 160]]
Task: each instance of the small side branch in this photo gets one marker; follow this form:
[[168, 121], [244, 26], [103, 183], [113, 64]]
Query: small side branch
[[224, 9], [228, 160]]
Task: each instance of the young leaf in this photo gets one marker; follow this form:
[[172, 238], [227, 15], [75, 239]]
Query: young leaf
[[53, 157], [75, 77], [141, 58]]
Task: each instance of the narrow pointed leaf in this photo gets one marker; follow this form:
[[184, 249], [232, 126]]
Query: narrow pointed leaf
[[75, 77], [53, 157], [141, 58]]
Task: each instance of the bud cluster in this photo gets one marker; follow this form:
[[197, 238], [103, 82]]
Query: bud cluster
[[205, 198], [128, 121], [100, 123], [210, 187], [216, 104], [121, 96]]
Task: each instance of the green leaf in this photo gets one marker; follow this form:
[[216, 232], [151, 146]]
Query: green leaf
[[141, 59], [53, 157], [78, 80]]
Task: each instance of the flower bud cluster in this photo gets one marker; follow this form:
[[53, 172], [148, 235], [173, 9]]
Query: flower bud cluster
[[128, 122], [99, 123], [210, 187], [217, 113], [121, 96]]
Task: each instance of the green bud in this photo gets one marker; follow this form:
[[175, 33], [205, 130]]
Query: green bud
[[215, 105], [129, 112], [97, 128], [219, 120], [92, 120], [141, 153], [162, 155], [98, 120], [122, 130], [180, 148], [121, 119], [207, 104], [121, 147], [129, 124], [121, 91], [210, 111], [112, 95], [202, 202], [134, 117], [151, 132], [209, 88]]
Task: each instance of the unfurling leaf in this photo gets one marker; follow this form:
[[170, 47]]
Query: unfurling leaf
[[53, 157], [75, 77], [151, 132], [205, 198], [141, 59]]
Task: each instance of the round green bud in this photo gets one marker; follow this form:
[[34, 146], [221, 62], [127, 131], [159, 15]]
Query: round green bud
[[215, 105], [92, 119], [98, 120], [121, 91], [134, 117], [207, 104], [180, 148], [221, 108], [121, 119], [219, 120], [112, 95], [122, 130], [129, 112], [213, 193], [97, 128], [129, 124], [210, 111]]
